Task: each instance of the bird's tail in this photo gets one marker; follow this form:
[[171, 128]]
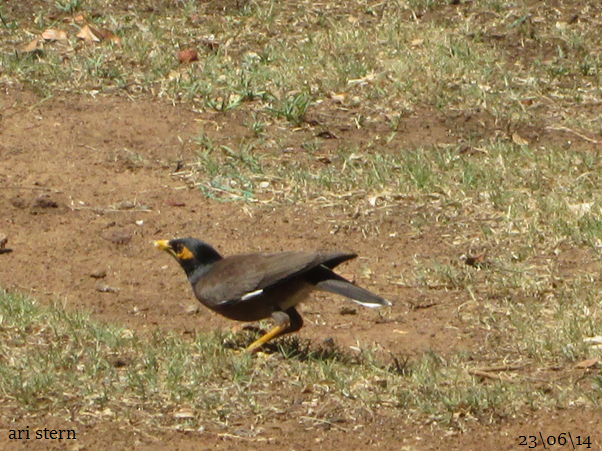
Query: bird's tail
[[353, 292]]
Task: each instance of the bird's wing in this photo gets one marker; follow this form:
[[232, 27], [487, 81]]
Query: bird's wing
[[240, 277]]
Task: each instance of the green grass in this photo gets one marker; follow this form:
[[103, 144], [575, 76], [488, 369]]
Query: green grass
[[57, 362], [544, 195], [457, 60]]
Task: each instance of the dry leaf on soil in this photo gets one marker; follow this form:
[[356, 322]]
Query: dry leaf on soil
[[91, 34], [338, 98], [476, 261], [109, 36], [519, 140], [33, 46], [188, 56], [589, 363], [580, 210], [80, 19], [52, 34]]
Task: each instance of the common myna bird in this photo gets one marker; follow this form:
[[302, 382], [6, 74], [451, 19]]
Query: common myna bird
[[251, 287]]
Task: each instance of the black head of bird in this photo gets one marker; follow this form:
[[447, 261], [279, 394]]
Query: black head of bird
[[250, 287], [193, 255]]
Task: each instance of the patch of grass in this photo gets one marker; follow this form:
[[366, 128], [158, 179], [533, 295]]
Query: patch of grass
[[69, 6], [57, 362], [293, 108], [544, 194], [460, 59]]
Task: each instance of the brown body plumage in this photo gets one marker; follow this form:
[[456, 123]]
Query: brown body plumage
[[251, 287]]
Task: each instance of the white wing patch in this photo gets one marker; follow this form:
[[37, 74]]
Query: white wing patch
[[250, 295], [370, 304]]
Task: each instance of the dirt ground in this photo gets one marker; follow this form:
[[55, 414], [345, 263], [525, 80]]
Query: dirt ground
[[86, 185]]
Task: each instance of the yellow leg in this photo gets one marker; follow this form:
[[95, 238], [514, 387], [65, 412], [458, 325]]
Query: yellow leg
[[267, 337]]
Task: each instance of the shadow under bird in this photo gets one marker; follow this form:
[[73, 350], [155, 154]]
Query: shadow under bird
[[250, 287]]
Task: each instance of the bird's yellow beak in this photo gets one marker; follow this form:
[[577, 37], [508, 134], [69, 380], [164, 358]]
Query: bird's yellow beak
[[163, 245]]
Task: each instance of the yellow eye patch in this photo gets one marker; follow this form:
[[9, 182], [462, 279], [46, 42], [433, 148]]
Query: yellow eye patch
[[185, 254]]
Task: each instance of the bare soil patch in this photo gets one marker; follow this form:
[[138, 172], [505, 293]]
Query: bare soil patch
[[87, 187]]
